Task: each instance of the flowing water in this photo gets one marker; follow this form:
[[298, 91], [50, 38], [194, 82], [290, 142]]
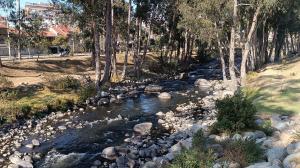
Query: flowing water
[[79, 147]]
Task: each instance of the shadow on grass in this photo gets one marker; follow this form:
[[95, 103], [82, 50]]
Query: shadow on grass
[[276, 97]]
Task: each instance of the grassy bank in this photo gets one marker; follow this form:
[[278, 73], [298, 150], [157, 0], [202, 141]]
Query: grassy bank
[[26, 101], [276, 88]]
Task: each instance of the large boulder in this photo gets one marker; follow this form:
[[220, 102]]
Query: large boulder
[[278, 123], [203, 84], [109, 153], [143, 128], [18, 161], [164, 95], [292, 161], [293, 148], [276, 153]]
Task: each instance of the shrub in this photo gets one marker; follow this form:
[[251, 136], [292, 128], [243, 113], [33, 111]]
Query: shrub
[[242, 152], [64, 83], [235, 114], [193, 159], [267, 128], [5, 83], [199, 140], [86, 91]]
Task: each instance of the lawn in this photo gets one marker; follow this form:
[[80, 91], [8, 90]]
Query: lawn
[[277, 88]]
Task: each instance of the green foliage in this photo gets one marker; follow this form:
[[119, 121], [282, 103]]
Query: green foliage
[[86, 91], [60, 41], [235, 113], [242, 152], [5, 83], [199, 140], [193, 159], [267, 128], [64, 83]]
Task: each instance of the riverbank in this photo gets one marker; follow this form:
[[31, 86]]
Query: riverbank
[[20, 134]]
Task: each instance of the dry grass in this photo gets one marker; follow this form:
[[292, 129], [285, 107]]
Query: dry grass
[[32, 72], [277, 88]]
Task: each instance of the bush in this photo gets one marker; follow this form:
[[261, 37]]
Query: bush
[[193, 159], [86, 91], [267, 128], [199, 140], [235, 114], [64, 83], [242, 152], [5, 83]]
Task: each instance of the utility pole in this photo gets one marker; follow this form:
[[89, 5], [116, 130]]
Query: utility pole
[[19, 28]]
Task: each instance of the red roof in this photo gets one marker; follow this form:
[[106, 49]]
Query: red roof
[[3, 26], [62, 30], [48, 33]]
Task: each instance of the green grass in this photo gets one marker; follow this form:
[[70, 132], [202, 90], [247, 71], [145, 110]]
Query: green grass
[[277, 89], [35, 103]]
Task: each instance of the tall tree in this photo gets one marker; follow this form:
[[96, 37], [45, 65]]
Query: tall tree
[[108, 41], [127, 40]]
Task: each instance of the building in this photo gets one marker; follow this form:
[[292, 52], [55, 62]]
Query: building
[[3, 31], [46, 10]]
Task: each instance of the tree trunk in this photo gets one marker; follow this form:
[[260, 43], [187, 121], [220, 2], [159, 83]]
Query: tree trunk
[[137, 48], [115, 37], [1, 65], [221, 53], [108, 36], [247, 46], [146, 46], [97, 56], [232, 49], [184, 51], [292, 43], [272, 49], [177, 52], [127, 41]]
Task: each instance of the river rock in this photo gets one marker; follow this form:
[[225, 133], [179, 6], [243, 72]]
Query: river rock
[[103, 101], [249, 136], [203, 84], [143, 128], [153, 88], [149, 164], [237, 137], [62, 127], [30, 146], [35, 142], [18, 161], [276, 153], [292, 161], [104, 94], [259, 134], [109, 153], [122, 162], [97, 163], [277, 123], [293, 148], [164, 95], [261, 165]]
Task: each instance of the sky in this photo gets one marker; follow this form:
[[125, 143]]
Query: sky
[[22, 3]]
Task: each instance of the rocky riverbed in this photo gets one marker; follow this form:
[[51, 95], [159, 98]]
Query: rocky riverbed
[[120, 135]]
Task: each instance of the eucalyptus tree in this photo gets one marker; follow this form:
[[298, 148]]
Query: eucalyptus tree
[[209, 21], [127, 40], [5, 4], [33, 29], [88, 15]]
